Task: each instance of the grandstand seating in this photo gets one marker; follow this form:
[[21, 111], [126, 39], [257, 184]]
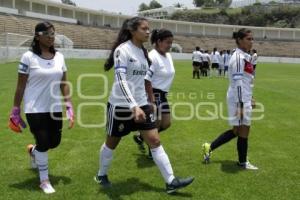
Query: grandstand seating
[[88, 37]]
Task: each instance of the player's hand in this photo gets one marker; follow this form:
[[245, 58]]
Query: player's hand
[[70, 114], [16, 123], [253, 103], [138, 114]]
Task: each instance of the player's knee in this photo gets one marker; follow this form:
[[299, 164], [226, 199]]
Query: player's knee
[[154, 142], [42, 147], [55, 141], [164, 126]]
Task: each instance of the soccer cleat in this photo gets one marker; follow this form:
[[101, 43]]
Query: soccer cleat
[[247, 165], [30, 149], [178, 183], [103, 180], [47, 187], [206, 152], [140, 142]]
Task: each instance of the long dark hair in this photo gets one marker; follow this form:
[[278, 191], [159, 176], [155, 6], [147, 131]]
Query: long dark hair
[[35, 44], [160, 34], [124, 35], [240, 34]]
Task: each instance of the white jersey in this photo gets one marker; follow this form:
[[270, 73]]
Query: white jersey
[[215, 57], [206, 57], [42, 92], [240, 74], [161, 72], [226, 59], [254, 59], [130, 66], [197, 56]]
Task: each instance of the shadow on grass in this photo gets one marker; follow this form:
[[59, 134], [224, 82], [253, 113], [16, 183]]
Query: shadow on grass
[[33, 183], [143, 161], [228, 166], [119, 190]]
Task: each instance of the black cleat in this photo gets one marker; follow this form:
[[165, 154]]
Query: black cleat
[[178, 183], [103, 180], [140, 142]]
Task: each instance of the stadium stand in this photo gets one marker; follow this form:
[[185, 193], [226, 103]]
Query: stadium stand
[[89, 37]]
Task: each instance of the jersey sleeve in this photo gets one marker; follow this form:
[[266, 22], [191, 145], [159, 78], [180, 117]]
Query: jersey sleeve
[[64, 67], [120, 62], [24, 64], [237, 77]]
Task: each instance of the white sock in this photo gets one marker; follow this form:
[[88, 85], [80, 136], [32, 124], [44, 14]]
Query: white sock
[[161, 159], [41, 159], [106, 155]]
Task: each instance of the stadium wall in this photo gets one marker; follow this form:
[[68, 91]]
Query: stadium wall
[[46, 9], [10, 54]]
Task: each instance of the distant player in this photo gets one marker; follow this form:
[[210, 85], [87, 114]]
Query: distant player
[[215, 60], [128, 108], [197, 62], [221, 63], [239, 99], [41, 80], [254, 58], [206, 63], [226, 58]]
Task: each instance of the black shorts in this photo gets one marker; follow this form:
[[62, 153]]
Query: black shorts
[[120, 120], [50, 122], [215, 66], [161, 101], [196, 64], [205, 65]]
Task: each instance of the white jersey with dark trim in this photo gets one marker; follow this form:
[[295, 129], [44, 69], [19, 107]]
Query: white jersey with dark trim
[[197, 56], [42, 92], [130, 66], [161, 72], [240, 74], [206, 57]]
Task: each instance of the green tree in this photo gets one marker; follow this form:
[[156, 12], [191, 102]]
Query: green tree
[[69, 2], [154, 4], [143, 7], [199, 3], [178, 5]]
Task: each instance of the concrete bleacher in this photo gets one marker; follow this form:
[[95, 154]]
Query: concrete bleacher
[[88, 37]]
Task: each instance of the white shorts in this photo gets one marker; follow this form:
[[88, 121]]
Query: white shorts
[[235, 120]]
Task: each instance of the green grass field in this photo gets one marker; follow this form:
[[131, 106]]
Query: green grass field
[[274, 143]]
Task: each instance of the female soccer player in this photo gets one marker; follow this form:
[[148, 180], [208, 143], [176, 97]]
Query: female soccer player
[[159, 79], [197, 62], [206, 62], [215, 59], [239, 99], [128, 109], [42, 77]]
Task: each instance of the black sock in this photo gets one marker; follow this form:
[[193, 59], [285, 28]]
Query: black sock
[[242, 147], [194, 74], [222, 139], [198, 74]]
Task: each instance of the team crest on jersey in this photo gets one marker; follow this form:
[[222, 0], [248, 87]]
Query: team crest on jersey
[[121, 127]]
